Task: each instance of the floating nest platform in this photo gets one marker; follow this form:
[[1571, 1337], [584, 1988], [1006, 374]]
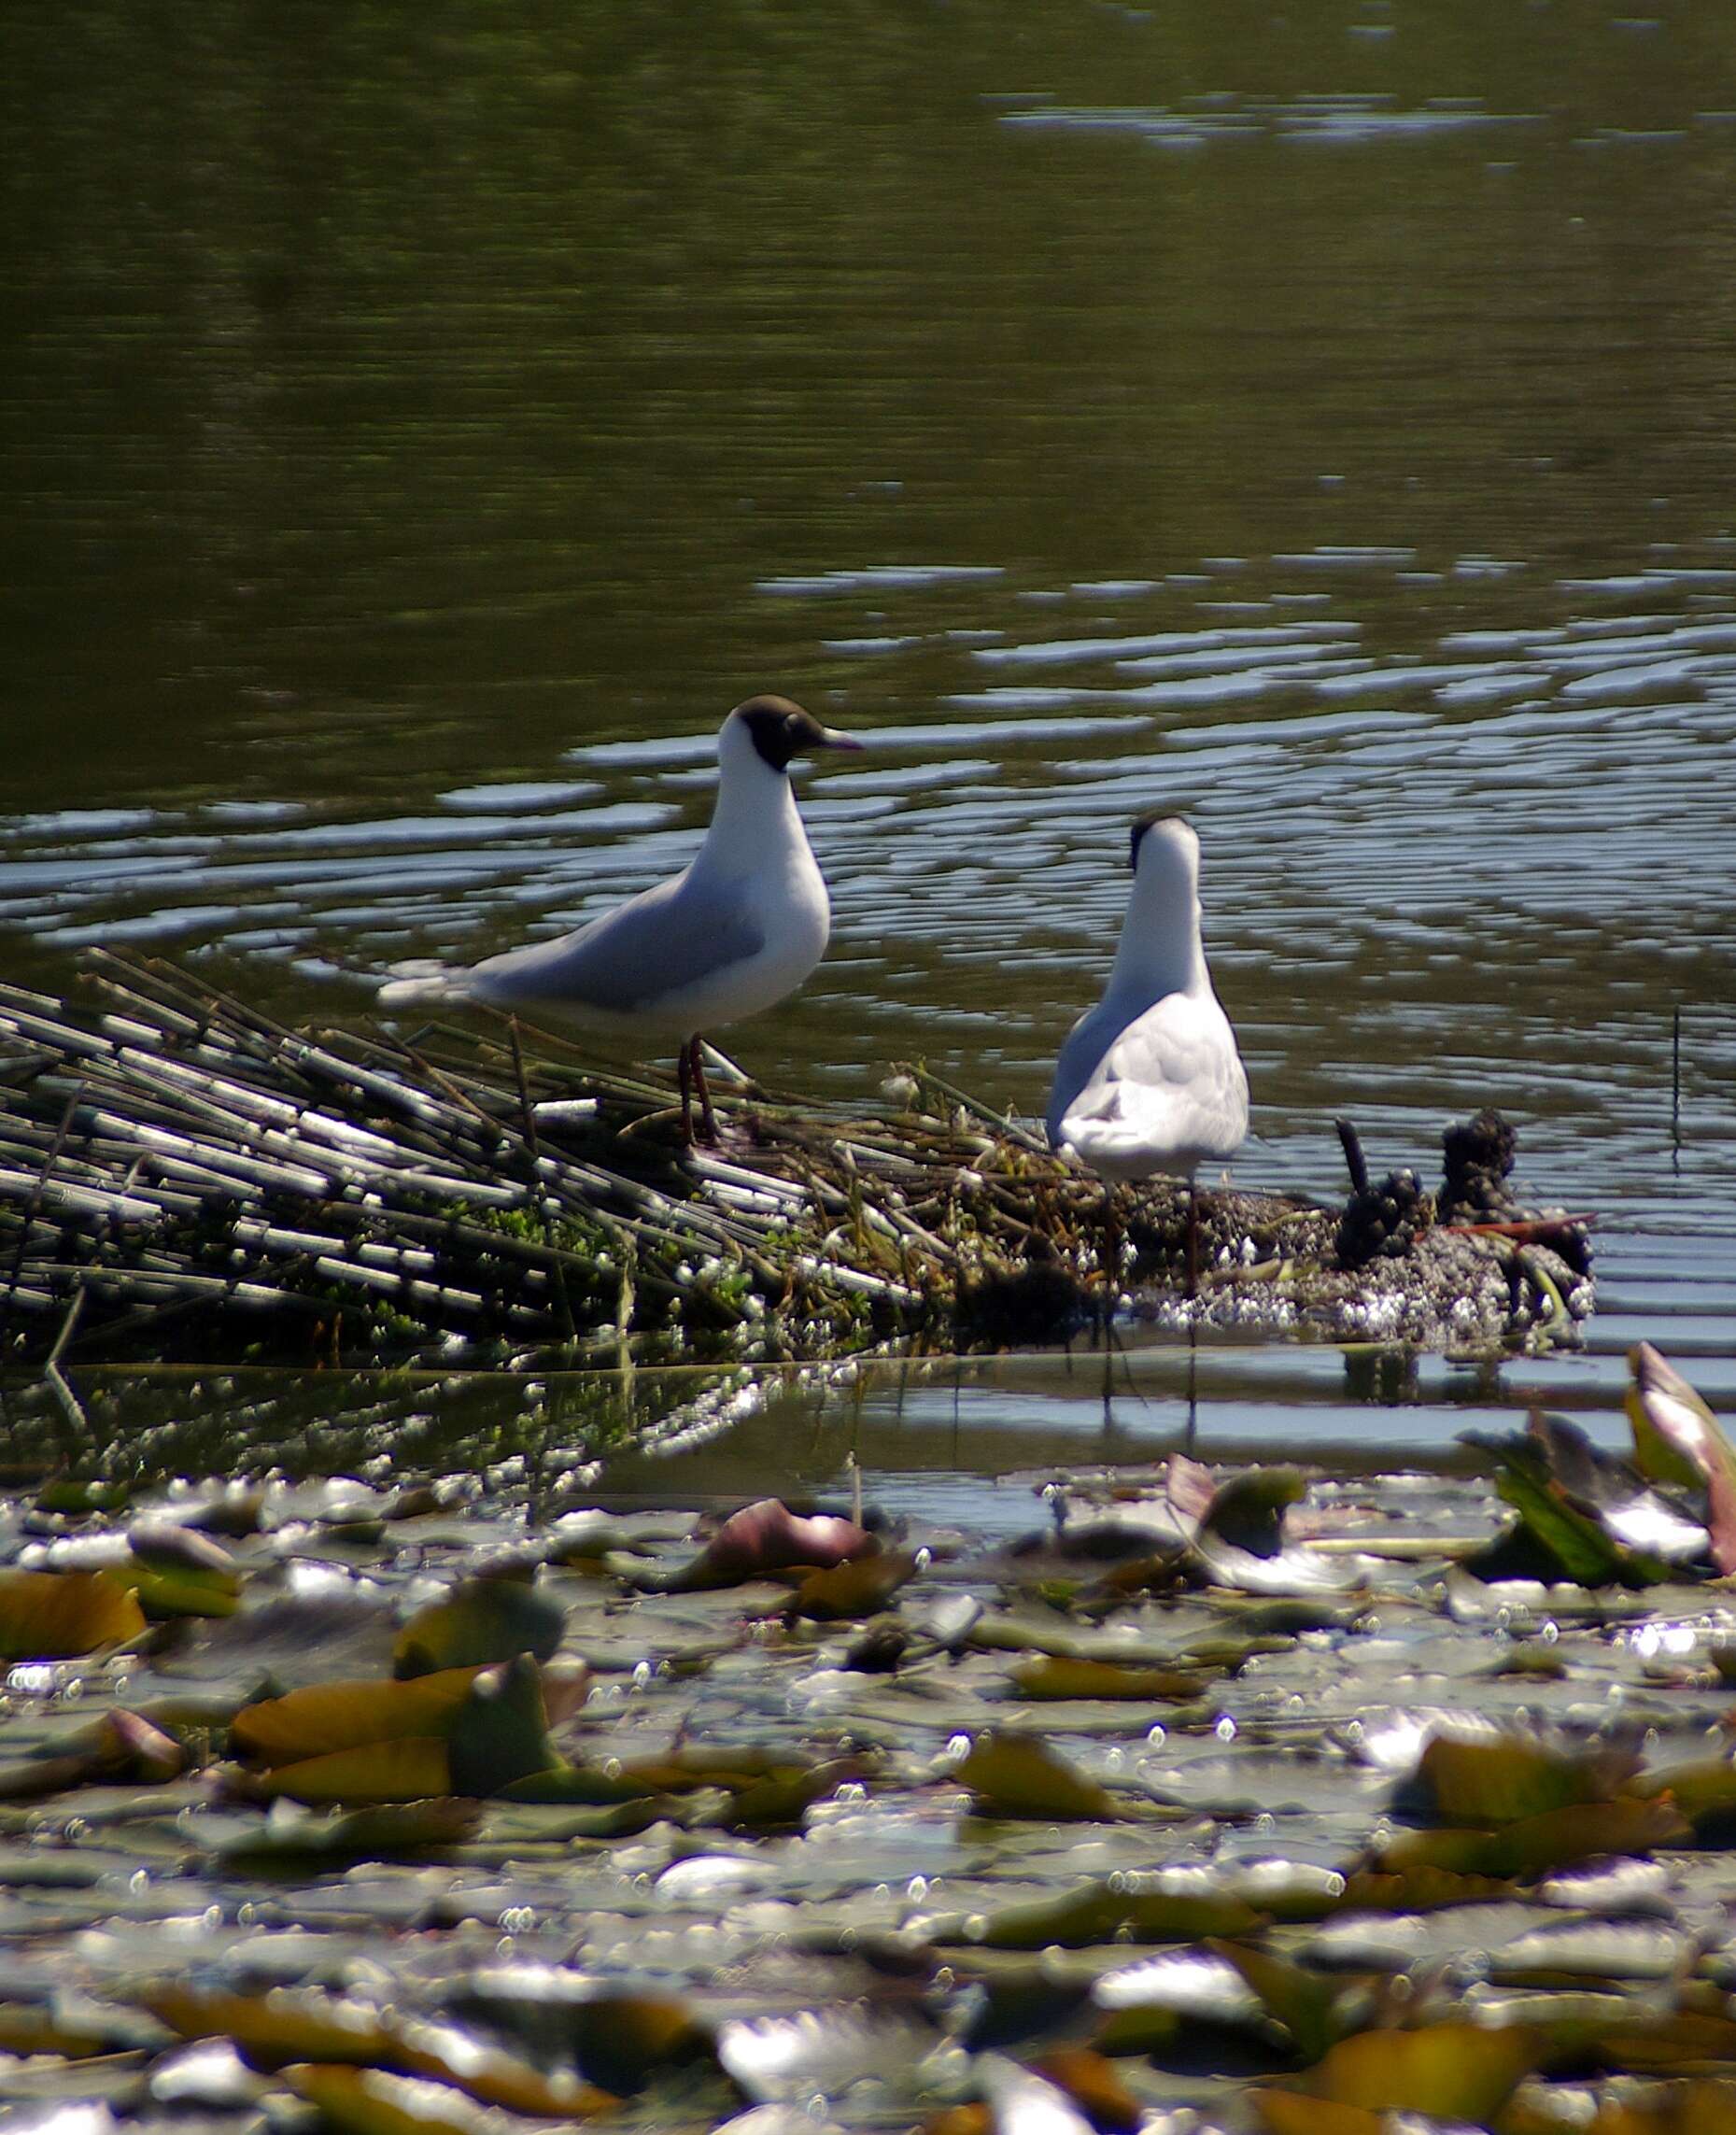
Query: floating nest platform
[[182, 1177]]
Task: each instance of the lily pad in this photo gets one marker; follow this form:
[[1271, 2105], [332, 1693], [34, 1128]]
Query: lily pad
[[500, 1734], [1678, 1438], [57, 1615], [408, 1768], [1055, 1677], [1503, 1778], [1096, 1912], [1449, 2071], [393, 1832], [858, 1587], [279, 2029], [1013, 1775], [484, 1620], [330, 1717], [766, 1537]]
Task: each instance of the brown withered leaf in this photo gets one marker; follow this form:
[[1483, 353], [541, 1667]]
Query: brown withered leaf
[[762, 1538]]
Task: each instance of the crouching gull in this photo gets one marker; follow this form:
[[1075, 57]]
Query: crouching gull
[[1151, 1080], [733, 933]]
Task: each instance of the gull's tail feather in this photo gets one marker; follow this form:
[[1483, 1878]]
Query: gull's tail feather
[[421, 983]]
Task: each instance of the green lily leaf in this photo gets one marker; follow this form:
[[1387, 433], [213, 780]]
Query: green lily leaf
[[284, 2028], [500, 1734], [392, 1831], [1569, 1533], [1094, 1913], [481, 1622]]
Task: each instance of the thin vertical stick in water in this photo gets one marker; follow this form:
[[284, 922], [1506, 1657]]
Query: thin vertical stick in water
[[1675, 1074], [524, 1090]]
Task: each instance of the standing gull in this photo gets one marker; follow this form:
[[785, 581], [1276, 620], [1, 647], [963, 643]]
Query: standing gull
[[1150, 1080], [735, 930]]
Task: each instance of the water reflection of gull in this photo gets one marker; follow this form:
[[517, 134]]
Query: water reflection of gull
[[1150, 1079], [738, 928]]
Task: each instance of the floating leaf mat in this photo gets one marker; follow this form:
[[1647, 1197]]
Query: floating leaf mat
[[1258, 1800]]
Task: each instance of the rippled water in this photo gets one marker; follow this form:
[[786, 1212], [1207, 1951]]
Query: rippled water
[[1325, 431]]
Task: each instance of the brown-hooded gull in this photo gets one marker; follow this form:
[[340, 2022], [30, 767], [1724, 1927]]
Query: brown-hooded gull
[[738, 928], [1151, 1080]]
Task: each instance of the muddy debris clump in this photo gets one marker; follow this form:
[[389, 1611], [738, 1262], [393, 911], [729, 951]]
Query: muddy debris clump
[[1479, 1155]]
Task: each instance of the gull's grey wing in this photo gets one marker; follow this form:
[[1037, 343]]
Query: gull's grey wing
[[656, 944], [1168, 1087], [1082, 1052], [1178, 1044]]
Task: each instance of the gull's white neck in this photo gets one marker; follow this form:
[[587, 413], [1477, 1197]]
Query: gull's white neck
[[1160, 950], [755, 818]]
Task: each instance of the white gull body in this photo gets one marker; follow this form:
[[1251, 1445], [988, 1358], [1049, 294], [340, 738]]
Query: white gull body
[[738, 928], [1151, 1080]]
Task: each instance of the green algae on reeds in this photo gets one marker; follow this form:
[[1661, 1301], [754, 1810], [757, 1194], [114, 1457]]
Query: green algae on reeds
[[180, 1176]]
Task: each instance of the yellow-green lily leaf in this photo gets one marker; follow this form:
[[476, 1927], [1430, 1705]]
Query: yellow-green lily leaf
[[1668, 1417], [1686, 2041], [367, 2101], [1451, 2072], [58, 1616], [390, 1832], [1536, 1844], [1587, 1830], [91, 2029], [1093, 1913], [1052, 1675], [186, 1592], [858, 1587], [1699, 1787], [1420, 1885], [63, 1493], [1307, 2003], [274, 2027], [409, 1769], [328, 1717], [1503, 1778], [778, 1798], [284, 2028], [1016, 1776]]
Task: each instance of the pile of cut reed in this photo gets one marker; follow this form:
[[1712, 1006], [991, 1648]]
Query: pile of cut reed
[[182, 1176]]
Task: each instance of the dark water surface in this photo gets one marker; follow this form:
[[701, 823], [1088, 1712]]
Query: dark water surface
[[1322, 424]]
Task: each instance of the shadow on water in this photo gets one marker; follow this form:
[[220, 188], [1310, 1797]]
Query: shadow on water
[[961, 1439]]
